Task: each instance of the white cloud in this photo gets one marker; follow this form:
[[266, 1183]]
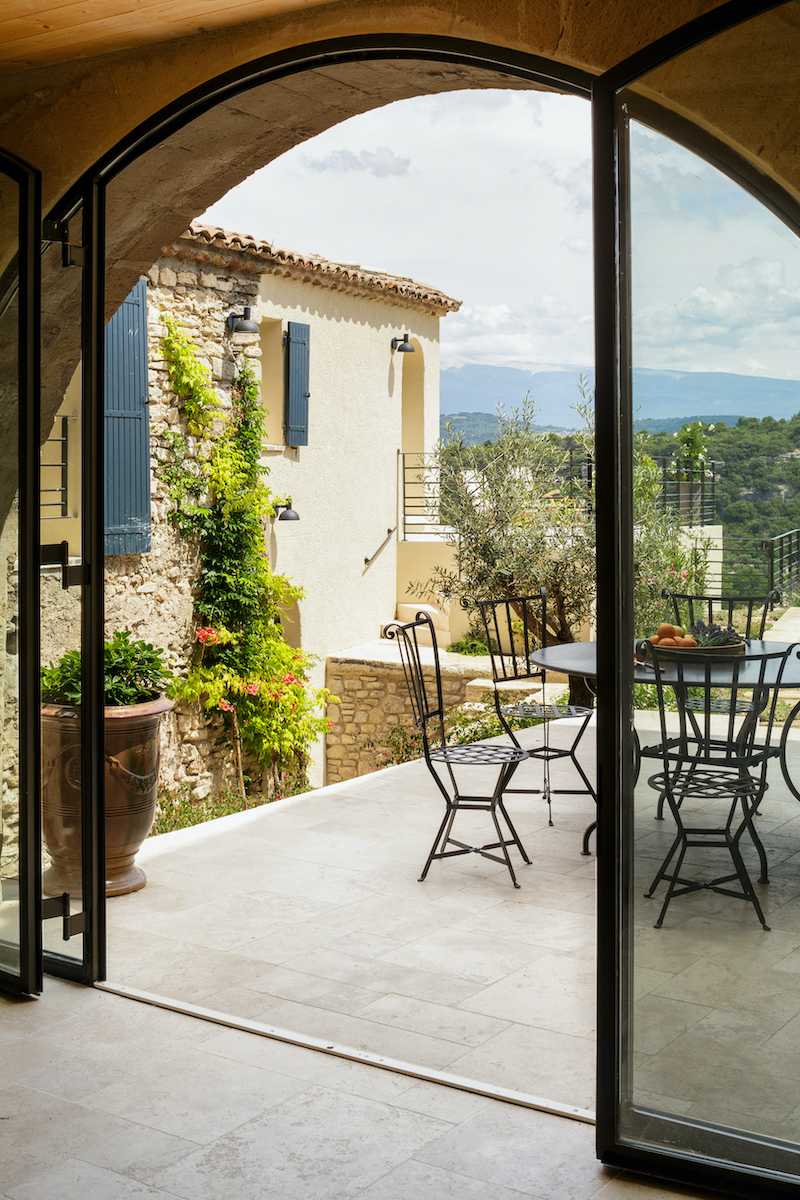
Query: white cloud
[[749, 314], [487, 196], [382, 162]]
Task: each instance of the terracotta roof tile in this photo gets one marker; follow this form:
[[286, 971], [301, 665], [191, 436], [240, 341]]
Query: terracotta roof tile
[[348, 277]]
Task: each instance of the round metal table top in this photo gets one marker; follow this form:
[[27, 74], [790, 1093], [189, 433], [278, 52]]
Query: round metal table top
[[580, 658]]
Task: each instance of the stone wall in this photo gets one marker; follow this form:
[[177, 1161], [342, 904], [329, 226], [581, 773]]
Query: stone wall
[[151, 594], [373, 700]]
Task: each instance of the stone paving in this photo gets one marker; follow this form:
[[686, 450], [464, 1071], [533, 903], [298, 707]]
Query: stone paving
[[105, 1098], [308, 915]]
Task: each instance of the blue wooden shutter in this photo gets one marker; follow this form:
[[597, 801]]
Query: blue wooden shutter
[[295, 420], [127, 432]]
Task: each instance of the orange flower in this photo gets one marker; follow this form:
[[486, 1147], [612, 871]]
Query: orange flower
[[207, 636]]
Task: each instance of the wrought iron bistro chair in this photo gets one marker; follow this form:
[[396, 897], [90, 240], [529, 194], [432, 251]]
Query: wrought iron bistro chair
[[686, 610], [515, 627], [428, 710], [703, 764]]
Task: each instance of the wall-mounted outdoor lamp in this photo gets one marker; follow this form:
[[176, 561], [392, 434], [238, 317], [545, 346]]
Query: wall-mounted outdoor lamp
[[242, 322], [402, 344], [286, 512]]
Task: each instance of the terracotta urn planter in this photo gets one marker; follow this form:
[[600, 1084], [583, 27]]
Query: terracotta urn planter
[[132, 752]]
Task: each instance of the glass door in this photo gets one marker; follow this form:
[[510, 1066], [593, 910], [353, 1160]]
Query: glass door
[[698, 384], [71, 599], [20, 871]]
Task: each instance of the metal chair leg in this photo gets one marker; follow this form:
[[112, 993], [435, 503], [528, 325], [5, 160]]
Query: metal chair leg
[[513, 832], [672, 883], [756, 840], [747, 883], [662, 870], [504, 848], [447, 821]]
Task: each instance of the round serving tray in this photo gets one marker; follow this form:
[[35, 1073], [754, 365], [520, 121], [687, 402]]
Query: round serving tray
[[712, 651]]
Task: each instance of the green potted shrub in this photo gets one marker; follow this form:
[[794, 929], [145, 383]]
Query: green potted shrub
[[135, 680]]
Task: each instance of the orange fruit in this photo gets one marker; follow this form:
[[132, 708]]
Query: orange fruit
[[665, 630]]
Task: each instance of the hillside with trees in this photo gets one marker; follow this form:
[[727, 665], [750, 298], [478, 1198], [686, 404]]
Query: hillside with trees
[[758, 489]]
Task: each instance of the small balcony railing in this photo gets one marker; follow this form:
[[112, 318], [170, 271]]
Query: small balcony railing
[[690, 492], [55, 474]]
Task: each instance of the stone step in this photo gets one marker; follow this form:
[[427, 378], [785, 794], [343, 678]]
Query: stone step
[[516, 689], [440, 619]]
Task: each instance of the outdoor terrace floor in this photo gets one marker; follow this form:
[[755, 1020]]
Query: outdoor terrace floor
[[106, 1099], [307, 915]]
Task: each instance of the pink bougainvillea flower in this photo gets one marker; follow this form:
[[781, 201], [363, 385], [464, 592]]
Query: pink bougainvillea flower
[[252, 689], [290, 678], [226, 706], [207, 635]]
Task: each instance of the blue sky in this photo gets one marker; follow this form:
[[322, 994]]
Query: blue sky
[[487, 194]]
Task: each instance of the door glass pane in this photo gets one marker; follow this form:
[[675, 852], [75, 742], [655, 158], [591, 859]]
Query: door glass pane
[[711, 857], [9, 557], [60, 527]]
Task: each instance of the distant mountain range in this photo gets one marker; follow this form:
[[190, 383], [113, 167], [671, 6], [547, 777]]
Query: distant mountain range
[[477, 427], [659, 396]]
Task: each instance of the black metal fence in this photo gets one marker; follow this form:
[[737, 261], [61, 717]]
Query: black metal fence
[[55, 475], [783, 562], [689, 491]]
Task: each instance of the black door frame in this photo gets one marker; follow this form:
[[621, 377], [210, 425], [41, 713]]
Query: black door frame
[[23, 282], [614, 441], [612, 432]]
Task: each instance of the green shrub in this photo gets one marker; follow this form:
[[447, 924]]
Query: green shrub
[[242, 666], [471, 643], [134, 673], [177, 810]]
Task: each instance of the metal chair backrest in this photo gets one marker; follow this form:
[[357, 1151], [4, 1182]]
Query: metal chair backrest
[[687, 609], [515, 627], [751, 684], [427, 703]]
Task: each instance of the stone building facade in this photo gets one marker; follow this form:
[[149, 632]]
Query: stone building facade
[[365, 406]]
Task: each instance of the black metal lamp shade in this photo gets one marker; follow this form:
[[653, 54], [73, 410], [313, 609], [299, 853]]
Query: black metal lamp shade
[[286, 512], [242, 322], [402, 344]]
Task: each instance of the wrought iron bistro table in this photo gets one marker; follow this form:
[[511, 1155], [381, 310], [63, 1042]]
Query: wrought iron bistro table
[[580, 658]]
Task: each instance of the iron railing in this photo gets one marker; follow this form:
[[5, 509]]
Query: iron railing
[[783, 562], [55, 487], [689, 491]]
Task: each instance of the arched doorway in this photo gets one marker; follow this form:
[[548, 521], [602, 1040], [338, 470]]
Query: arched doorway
[[92, 333]]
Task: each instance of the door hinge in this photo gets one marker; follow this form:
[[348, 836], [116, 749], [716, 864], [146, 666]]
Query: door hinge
[[58, 906], [58, 231], [56, 554]]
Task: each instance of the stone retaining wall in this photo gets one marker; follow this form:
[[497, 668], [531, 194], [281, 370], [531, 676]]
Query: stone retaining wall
[[373, 700]]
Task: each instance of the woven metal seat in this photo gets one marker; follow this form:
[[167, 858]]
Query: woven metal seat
[[427, 706], [479, 755], [722, 707], [516, 627], [539, 710]]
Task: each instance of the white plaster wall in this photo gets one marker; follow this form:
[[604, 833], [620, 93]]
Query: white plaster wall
[[344, 483]]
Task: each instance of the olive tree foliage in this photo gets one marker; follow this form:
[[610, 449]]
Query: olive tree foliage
[[521, 517]]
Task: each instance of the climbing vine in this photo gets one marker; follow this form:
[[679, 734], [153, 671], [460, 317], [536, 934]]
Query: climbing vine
[[242, 665]]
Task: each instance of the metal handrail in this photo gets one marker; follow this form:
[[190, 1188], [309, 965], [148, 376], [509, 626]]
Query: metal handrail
[[689, 490], [62, 466], [783, 560]]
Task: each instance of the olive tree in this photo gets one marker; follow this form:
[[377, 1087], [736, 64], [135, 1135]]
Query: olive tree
[[519, 518]]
